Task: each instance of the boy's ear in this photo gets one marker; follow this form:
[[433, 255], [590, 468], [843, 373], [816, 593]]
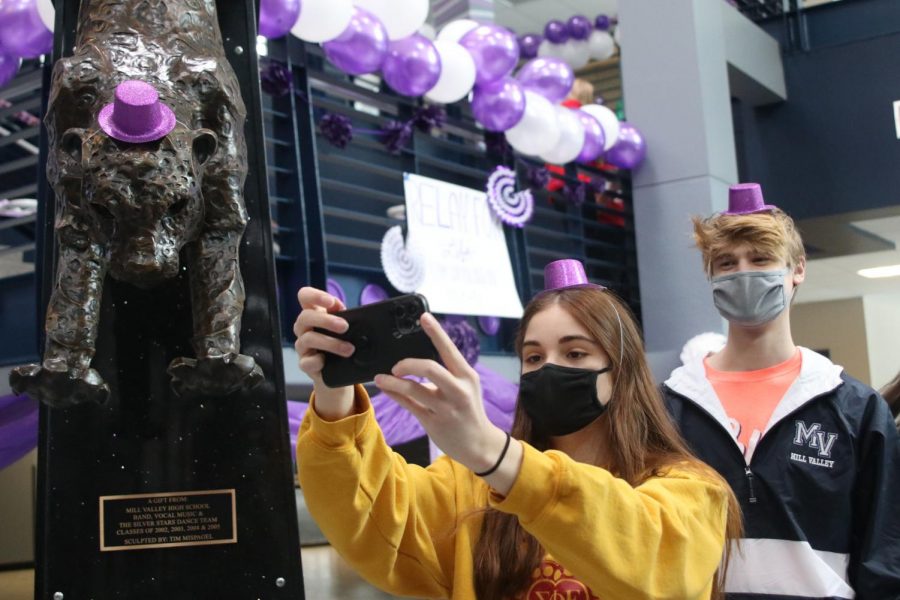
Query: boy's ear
[[800, 271]]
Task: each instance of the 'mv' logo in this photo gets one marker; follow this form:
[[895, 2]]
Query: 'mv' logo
[[814, 437]]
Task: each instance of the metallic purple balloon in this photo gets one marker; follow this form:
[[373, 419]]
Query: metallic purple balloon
[[494, 50], [529, 44], [594, 138], [362, 46], [630, 148], [498, 105], [412, 65], [550, 77], [22, 32], [9, 66], [276, 17], [579, 27], [556, 32], [602, 23]]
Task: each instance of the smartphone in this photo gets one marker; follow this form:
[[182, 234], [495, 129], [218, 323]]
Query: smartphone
[[383, 334]]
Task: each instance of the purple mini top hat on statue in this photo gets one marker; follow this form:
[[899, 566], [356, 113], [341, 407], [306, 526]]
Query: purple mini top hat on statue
[[566, 273], [136, 116], [746, 199]]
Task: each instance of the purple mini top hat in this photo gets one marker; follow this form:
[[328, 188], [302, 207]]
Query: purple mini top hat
[[136, 115], [566, 273], [746, 199]]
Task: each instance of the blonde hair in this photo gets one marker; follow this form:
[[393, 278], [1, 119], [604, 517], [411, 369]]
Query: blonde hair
[[771, 232], [582, 91]]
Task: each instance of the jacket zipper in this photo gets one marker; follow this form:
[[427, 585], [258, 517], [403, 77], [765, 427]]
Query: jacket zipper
[[748, 473]]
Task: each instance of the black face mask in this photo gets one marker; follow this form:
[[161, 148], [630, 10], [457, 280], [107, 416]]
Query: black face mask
[[561, 400]]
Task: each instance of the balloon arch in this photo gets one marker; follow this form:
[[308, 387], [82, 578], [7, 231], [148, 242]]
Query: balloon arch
[[467, 59]]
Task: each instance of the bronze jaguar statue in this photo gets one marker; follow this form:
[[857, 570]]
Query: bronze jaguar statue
[[147, 161]]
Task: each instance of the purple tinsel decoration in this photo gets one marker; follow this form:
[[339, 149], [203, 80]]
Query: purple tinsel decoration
[[465, 337], [275, 79], [337, 129], [395, 135], [430, 117], [576, 193], [537, 177]]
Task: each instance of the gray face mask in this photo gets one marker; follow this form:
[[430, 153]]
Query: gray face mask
[[750, 297]]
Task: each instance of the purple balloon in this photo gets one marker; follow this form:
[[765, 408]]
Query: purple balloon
[[498, 105], [9, 65], [362, 46], [529, 44], [22, 33], [412, 65], [594, 138], [630, 148], [579, 27], [556, 32], [550, 77], [276, 17], [494, 49], [602, 23]]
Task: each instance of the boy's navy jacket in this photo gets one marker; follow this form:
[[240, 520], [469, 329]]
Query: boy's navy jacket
[[820, 491]]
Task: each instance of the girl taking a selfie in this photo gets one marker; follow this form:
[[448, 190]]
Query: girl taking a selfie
[[593, 495]]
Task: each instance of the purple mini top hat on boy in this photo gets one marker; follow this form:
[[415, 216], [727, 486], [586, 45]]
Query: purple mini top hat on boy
[[566, 273], [746, 199], [136, 116]]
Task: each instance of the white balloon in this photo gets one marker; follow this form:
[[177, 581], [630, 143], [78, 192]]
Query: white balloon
[[428, 31], [47, 13], [457, 73], [609, 122], [548, 49], [455, 30], [401, 18], [322, 20], [571, 137], [576, 53], [601, 44], [536, 132]]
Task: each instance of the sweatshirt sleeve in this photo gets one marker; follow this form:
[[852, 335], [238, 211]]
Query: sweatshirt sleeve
[[663, 539], [874, 569], [392, 521]]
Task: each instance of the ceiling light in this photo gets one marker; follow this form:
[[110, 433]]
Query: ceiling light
[[879, 272]]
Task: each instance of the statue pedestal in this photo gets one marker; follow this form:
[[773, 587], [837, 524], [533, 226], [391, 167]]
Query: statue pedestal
[[157, 496]]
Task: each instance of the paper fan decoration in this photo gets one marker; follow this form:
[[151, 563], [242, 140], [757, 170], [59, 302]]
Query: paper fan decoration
[[512, 207], [401, 263]]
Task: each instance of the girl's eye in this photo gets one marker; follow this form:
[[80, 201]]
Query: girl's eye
[[533, 359], [576, 354]]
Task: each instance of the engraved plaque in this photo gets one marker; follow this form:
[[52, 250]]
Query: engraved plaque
[[167, 520]]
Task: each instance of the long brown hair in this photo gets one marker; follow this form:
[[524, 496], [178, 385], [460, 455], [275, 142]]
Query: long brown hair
[[642, 438]]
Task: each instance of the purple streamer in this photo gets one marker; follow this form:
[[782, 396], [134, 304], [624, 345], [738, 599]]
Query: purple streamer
[[18, 428], [400, 427]]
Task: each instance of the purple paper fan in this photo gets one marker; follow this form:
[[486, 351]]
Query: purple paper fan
[[512, 207], [401, 263], [334, 288], [372, 292]]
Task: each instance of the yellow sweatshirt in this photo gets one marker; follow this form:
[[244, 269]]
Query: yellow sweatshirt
[[396, 523]]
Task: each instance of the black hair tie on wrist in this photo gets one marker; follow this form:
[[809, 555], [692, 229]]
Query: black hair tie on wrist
[[499, 460]]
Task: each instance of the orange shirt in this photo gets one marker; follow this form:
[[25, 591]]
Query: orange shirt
[[750, 397]]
